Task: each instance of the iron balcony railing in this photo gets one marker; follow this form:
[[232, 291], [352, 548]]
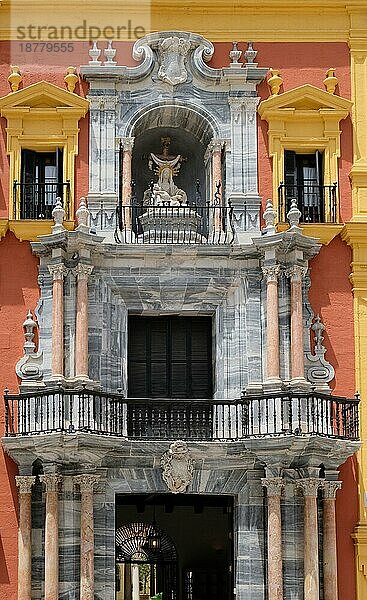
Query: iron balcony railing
[[37, 200], [166, 224], [283, 414], [317, 203]]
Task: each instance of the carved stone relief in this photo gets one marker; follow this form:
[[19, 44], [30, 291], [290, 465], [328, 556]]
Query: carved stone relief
[[178, 467]]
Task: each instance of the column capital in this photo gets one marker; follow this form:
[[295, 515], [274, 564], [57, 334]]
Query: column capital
[[58, 271], [51, 481], [83, 271], [309, 486], [330, 488], [127, 143], [86, 481], [216, 145], [24, 483], [274, 485], [271, 272], [296, 273]]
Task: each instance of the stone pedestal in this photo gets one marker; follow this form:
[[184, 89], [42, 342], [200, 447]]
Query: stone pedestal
[[86, 483], [24, 537], [52, 483]]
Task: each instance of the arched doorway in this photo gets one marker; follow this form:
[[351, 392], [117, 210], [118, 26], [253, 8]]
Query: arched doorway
[[146, 563]]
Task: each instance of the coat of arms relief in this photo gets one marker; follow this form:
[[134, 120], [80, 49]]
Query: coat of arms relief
[[178, 467], [173, 52]]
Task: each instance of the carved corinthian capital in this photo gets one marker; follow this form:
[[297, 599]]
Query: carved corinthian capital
[[330, 488], [274, 485], [310, 486], [127, 143], [51, 481], [296, 273], [82, 271], [58, 271], [271, 272], [24, 483], [86, 482]]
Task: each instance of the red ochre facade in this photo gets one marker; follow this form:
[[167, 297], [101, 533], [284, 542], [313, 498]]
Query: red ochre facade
[[330, 293]]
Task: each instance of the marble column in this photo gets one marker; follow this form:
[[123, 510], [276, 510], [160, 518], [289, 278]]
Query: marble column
[[86, 483], [24, 483], [52, 482], [58, 273], [82, 272], [311, 539], [274, 487], [329, 540], [272, 323], [127, 144], [296, 274]]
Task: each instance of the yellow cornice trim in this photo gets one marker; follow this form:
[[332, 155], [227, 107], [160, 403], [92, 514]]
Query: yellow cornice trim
[[30, 230], [3, 227], [325, 232], [24, 99], [355, 234], [328, 104]]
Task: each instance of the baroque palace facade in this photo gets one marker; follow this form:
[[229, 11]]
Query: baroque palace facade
[[183, 258]]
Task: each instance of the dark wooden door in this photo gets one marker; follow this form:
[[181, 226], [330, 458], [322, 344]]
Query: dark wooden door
[[170, 357]]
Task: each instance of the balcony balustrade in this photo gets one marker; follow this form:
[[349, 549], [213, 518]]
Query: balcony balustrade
[[283, 414], [317, 203], [37, 200]]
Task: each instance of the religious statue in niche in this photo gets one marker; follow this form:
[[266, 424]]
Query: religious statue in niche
[[165, 192]]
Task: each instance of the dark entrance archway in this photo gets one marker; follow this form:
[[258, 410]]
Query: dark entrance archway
[[196, 557]]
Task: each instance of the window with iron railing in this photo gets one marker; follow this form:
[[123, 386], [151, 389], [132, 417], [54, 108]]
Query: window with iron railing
[[303, 181], [34, 196]]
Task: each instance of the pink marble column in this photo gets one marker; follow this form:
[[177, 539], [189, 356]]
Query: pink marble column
[[24, 484], [311, 539], [274, 488], [329, 540], [296, 274], [216, 155], [272, 322], [52, 482], [86, 483], [127, 144], [82, 273], [58, 273]]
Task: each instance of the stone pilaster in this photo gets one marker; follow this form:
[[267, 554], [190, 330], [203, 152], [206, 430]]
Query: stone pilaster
[[52, 483], [58, 272], [274, 487], [310, 489], [82, 272], [24, 484], [330, 489], [272, 324], [86, 483]]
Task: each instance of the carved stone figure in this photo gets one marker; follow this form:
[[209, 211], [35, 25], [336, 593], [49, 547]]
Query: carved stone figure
[[178, 467], [165, 192], [173, 51]]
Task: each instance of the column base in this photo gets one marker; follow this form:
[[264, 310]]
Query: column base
[[300, 384], [273, 384]]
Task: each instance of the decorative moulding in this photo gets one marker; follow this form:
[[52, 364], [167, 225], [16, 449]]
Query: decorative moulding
[[30, 230], [30, 367], [178, 467]]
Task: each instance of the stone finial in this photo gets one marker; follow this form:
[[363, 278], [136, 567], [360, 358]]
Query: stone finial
[[250, 54], [294, 214], [14, 78], [29, 325], [82, 215], [94, 53], [109, 54], [58, 214], [71, 78], [235, 55], [330, 81], [275, 82], [269, 218]]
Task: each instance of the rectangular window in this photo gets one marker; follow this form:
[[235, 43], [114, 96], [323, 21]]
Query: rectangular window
[[170, 357], [304, 181], [41, 182]]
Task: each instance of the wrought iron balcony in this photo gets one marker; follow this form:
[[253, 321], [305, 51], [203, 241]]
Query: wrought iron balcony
[[37, 200], [317, 203], [283, 414], [167, 224]]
